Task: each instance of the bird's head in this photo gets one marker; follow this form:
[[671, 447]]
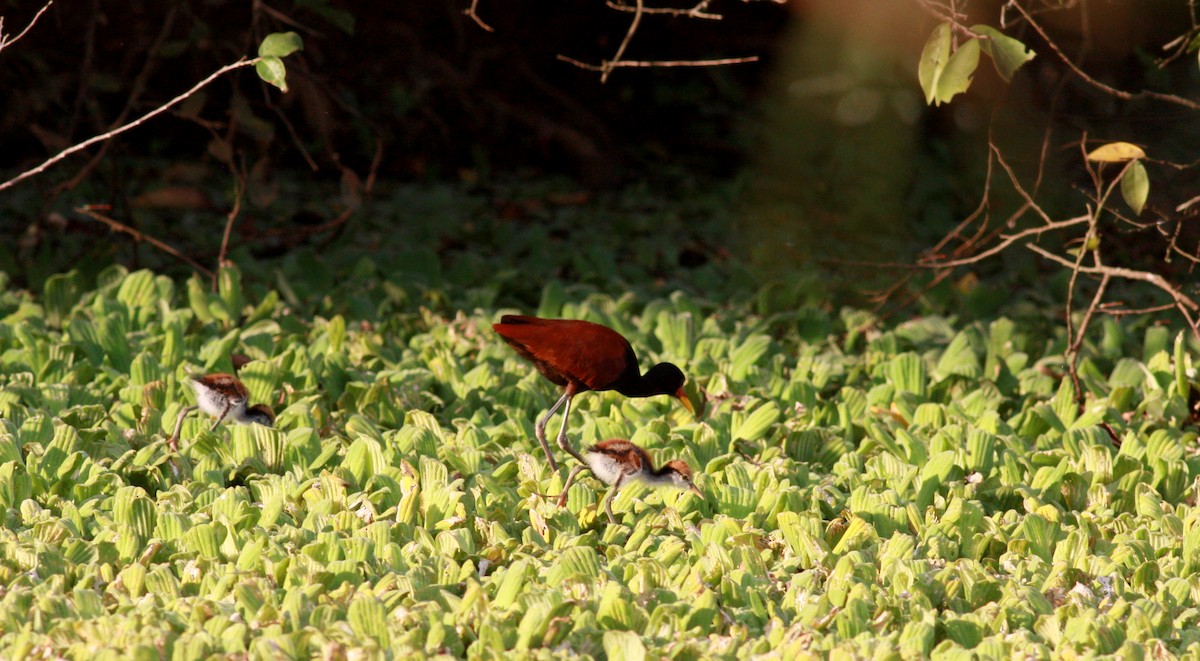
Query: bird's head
[[667, 379], [259, 414], [681, 476]]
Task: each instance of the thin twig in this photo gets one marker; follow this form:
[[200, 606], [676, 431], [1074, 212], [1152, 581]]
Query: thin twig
[[1128, 274], [472, 13], [645, 64], [694, 12], [5, 43], [1121, 312], [1120, 94], [135, 123], [118, 226], [1008, 241], [633, 26], [239, 190]]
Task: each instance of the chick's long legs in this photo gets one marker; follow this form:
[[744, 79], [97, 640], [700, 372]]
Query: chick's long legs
[[608, 501], [562, 497]]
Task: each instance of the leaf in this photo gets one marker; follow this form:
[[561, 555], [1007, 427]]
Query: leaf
[[1116, 152], [747, 354], [280, 44], [907, 372], [943, 75], [623, 646], [1007, 54], [1182, 387], [59, 295], [368, 619], [957, 76], [757, 423], [229, 288], [272, 71], [933, 60], [1135, 186]]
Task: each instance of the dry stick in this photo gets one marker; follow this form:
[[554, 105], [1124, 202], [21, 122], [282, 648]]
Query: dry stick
[[1184, 304], [138, 236], [647, 64], [471, 13], [1076, 337], [5, 43], [1008, 241], [239, 189], [1121, 313], [983, 205], [1120, 94], [135, 123], [606, 67], [694, 12], [633, 26], [1128, 274]]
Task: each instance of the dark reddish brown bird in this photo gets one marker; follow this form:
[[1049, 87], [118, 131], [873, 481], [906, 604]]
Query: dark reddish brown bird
[[582, 356]]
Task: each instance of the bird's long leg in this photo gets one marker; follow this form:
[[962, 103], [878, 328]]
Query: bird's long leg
[[224, 412], [608, 501], [540, 429], [562, 497], [562, 435], [173, 440]]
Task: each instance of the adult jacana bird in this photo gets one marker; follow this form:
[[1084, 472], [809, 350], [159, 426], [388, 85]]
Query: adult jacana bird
[[581, 356], [618, 462]]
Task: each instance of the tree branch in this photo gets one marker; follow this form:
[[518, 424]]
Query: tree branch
[[135, 123]]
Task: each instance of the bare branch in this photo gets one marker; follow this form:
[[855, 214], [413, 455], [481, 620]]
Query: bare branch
[[90, 211], [5, 43], [1120, 94], [135, 123], [694, 12], [471, 13], [1128, 274], [1008, 241], [606, 67], [610, 65]]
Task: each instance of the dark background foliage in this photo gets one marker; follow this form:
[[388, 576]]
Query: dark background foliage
[[419, 92]]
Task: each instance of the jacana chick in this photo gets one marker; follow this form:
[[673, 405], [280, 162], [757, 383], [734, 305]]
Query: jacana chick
[[223, 396], [581, 356], [618, 462]]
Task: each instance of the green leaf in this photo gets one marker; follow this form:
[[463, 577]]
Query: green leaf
[[1135, 187], [59, 295], [229, 288], [280, 44], [934, 57], [956, 78], [1182, 386], [368, 619], [943, 75], [907, 372], [747, 355], [623, 646], [1007, 54], [272, 71], [757, 423]]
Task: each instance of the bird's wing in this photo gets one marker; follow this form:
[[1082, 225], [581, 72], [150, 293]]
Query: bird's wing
[[588, 354]]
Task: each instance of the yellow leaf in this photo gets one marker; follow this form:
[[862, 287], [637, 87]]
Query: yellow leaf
[[1116, 152]]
